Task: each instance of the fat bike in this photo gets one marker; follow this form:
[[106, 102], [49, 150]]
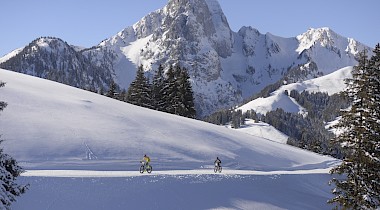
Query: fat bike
[[145, 168]]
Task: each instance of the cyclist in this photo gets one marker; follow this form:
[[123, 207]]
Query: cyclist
[[146, 160], [217, 162]]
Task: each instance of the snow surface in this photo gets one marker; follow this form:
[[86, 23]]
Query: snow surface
[[82, 151], [263, 130], [330, 84], [269, 192]]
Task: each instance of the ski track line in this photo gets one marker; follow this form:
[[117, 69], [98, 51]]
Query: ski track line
[[92, 174]]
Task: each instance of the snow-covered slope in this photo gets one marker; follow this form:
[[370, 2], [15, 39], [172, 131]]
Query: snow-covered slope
[[331, 84], [263, 130], [54, 127], [10, 55], [53, 123]]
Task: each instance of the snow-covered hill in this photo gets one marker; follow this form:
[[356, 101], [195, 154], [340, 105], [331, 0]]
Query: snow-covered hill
[[53, 123], [225, 67], [331, 84], [51, 126]]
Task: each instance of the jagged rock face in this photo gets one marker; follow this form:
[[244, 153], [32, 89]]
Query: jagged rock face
[[225, 67], [197, 19]]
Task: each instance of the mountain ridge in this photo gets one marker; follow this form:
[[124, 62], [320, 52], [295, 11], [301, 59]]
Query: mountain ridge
[[225, 67]]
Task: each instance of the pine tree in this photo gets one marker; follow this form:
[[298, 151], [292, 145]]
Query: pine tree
[[174, 88], [236, 118], [375, 70], [9, 189], [157, 90], [185, 94], [139, 90], [176, 93], [373, 144], [9, 171], [123, 96], [358, 185], [169, 92], [112, 91]]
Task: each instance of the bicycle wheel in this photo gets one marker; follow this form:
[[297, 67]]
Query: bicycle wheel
[[215, 169], [149, 169], [220, 169], [141, 169]]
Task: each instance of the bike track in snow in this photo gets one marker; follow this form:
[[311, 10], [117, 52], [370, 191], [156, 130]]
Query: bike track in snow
[[115, 174]]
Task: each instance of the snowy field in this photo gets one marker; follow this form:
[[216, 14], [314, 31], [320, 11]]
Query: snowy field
[[82, 151], [307, 191]]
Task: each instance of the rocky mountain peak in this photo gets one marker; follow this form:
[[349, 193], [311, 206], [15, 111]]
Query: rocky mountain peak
[[324, 37], [49, 44], [328, 39], [197, 19]]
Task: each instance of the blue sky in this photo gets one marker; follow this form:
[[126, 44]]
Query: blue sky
[[86, 23]]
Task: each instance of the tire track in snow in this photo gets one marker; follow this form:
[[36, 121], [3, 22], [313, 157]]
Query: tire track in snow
[[90, 174]]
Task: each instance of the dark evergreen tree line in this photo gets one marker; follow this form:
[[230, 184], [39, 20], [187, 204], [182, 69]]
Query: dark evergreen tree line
[[321, 105], [169, 92], [221, 117], [228, 116], [303, 131]]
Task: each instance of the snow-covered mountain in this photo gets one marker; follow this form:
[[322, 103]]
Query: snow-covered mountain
[[225, 67], [90, 146], [54, 59]]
